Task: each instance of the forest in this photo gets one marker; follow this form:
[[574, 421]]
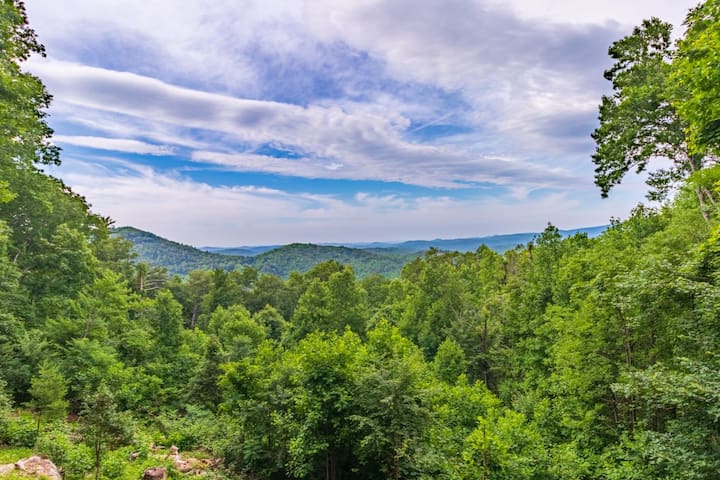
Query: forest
[[565, 358]]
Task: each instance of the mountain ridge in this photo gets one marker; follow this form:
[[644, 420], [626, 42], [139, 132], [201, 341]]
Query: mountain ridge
[[384, 258], [503, 241]]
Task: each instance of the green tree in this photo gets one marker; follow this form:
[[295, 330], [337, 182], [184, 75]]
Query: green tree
[[312, 312], [696, 80], [103, 426], [392, 406], [238, 333], [24, 133], [274, 323], [197, 286], [639, 122], [320, 444], [48, 390], [449, 362], [347, 302]]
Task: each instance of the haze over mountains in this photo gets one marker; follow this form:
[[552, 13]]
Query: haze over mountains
[[384, 258]]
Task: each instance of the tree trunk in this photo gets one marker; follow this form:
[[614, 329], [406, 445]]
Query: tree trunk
[[396, 456], [193, 319], [98, 457], [484, 454]]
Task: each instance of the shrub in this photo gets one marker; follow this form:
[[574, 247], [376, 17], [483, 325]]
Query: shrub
[[18, 430]]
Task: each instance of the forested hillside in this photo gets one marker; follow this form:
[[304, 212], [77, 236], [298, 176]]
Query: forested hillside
[[565, 358], [180, 259], [177, 258], [300, 257]]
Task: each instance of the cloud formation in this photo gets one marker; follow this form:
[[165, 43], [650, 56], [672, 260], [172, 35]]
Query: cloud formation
[[333, 143], [197, 213], [469, 104]]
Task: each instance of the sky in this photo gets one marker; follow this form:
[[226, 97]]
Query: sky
[[248, 122]]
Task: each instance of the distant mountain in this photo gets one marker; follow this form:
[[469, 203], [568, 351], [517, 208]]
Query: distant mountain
[[365, 258], [181, 259], [498, 243]]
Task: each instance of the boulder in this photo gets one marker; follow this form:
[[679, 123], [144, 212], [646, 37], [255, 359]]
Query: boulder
[[38, 466], [155, 473]]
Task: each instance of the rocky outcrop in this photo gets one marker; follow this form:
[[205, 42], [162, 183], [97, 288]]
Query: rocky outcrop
[[38, 466]]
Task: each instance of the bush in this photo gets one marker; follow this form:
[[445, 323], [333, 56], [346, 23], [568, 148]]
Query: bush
[[75, 460], [18, 430], [195, 430], [115, 462]]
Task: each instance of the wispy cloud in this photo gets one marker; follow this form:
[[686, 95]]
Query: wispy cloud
[[333, 143], [460, 99], [199, 213], [114, 144]]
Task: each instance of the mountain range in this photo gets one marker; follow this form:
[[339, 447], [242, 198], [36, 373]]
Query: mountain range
[[384, 258]]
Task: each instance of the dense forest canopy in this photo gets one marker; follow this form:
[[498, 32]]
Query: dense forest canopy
[[566, 358]]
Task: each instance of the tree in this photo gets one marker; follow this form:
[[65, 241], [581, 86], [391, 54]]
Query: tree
[[237, 332], [167, 322], [392, 411], [5, 404], [449, 362], [697, 80], [149, 279], [312, 312], [347, 303], [274, 323], [48, 390], [24, 134], [320, 444], [639, 122], [197, 286], [103, 426]]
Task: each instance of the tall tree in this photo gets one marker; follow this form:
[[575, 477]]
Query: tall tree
[[24, 134], [638, 122], [697, 79], [103, 426]]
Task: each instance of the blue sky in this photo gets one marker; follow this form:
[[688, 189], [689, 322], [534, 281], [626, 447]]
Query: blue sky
[[264, 122]]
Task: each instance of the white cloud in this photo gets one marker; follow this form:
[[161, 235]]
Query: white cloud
[[628, 13], [199, 214], [367, 145], [114, 144]]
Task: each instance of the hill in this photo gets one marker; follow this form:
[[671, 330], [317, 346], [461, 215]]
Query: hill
[[176, 257], [181, 259], [301, 257]]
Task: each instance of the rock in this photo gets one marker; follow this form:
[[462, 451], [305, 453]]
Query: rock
[[183, 466], [42, 467], [155, 473]]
